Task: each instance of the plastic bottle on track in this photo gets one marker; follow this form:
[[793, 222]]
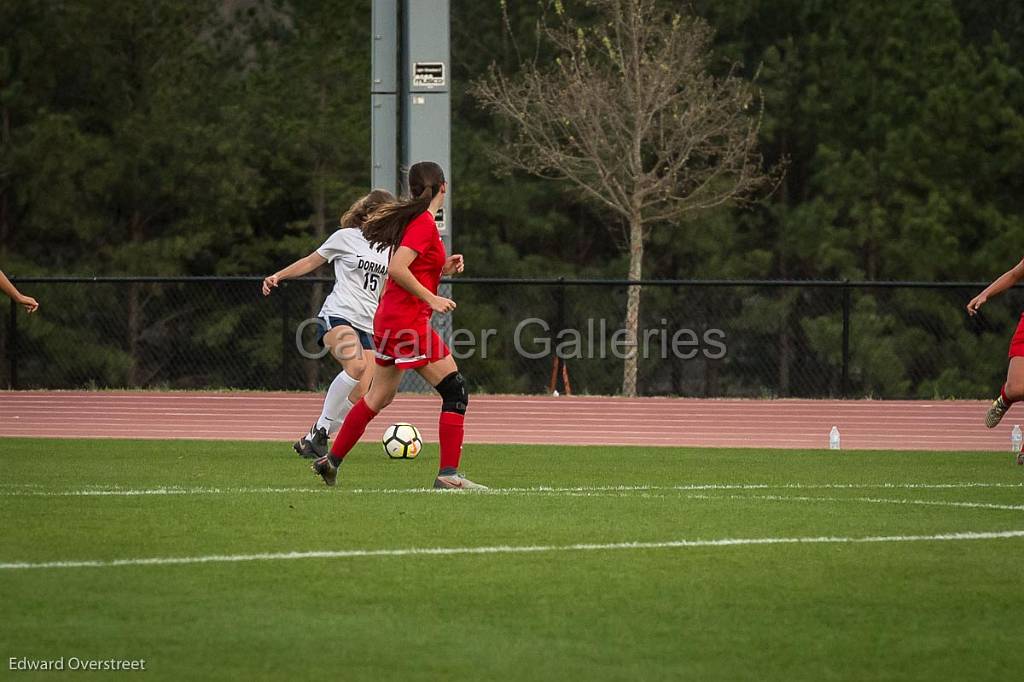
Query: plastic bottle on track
[[833, 438]]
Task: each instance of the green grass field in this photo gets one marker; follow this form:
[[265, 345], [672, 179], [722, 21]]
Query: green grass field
[[897, 608]]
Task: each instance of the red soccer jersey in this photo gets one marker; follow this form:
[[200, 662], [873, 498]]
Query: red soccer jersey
[[399, 309]]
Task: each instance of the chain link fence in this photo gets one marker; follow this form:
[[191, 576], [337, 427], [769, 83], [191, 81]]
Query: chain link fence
[[696, 338]]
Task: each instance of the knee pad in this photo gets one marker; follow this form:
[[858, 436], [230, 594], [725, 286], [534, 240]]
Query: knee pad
[[454, 396]]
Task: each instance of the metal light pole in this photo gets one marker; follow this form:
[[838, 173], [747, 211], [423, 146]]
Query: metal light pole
[[384, 171], [411, 108], [411, 93]]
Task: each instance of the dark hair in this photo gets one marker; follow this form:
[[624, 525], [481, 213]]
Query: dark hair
[[386, 224], [357, 213]]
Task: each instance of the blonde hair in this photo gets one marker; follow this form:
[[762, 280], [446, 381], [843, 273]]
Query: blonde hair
[[358, 212]]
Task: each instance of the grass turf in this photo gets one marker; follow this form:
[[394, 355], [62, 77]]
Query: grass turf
[[907, 610]]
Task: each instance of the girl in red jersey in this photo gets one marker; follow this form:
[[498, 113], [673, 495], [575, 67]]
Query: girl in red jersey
[[401, 327], [1013, 390]]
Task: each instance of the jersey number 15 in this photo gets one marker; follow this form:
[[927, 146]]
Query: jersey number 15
[[371, 281]]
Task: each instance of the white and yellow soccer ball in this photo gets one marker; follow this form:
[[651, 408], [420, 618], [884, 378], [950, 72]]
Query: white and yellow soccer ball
[[402, 441]]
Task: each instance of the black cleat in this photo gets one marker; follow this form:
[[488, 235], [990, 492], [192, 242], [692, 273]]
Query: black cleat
[[325, 470], [312, 448], [996, 413]]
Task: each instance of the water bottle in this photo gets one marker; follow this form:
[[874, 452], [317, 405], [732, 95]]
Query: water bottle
[[833, 438], [1015, 438]]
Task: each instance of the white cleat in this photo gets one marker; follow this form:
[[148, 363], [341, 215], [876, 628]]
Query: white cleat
[[995, 413], [456, 482]]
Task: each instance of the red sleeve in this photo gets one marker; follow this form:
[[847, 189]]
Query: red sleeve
[[421, 233]]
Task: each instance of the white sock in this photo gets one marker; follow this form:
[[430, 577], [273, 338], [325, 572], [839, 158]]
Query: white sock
[[333, 424], [337, 404]]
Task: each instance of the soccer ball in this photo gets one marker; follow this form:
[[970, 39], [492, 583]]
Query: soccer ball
[[402, 441]]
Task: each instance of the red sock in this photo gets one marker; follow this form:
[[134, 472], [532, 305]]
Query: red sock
[[450, 433], [352, 429], [1002, 394]]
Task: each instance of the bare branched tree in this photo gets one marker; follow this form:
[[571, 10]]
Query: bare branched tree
[[629, 113]]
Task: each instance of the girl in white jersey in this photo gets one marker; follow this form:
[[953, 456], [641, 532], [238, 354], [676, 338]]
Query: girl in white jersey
[[346, 318]]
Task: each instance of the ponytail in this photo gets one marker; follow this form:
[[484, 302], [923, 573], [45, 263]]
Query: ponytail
[[385, 226]]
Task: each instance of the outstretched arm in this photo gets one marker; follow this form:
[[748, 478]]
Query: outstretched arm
[[31, 305], [301, 267], [1005, 281]]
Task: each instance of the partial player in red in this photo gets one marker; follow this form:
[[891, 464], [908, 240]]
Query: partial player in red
[[30, 304], [1013, 390], [401, 328]]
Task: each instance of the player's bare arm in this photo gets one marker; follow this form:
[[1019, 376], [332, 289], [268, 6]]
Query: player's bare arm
[[30, 304], [1004, 282], [301, 267], [398, 270]]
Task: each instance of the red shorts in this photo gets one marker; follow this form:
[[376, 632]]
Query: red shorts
[[409, 349], [1017, 344]]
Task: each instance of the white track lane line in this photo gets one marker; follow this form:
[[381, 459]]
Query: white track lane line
[[512, 549], [113, 491], [487, 404], [483, 412]]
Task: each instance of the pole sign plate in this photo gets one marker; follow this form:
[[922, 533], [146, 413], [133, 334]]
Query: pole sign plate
[[428, 75]]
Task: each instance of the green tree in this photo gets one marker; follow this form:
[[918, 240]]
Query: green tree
[[120, 163], [629, 115], [307, 93], [904, 146]]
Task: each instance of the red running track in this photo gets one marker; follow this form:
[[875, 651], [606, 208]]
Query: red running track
[[893, 425]]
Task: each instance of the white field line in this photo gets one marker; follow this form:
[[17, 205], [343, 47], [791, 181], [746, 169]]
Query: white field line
[[142, 492], [512, 549], [865, 500], [114, 491], [633, 494]]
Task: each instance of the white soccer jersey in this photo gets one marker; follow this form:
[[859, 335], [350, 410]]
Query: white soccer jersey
[[359, 274]]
